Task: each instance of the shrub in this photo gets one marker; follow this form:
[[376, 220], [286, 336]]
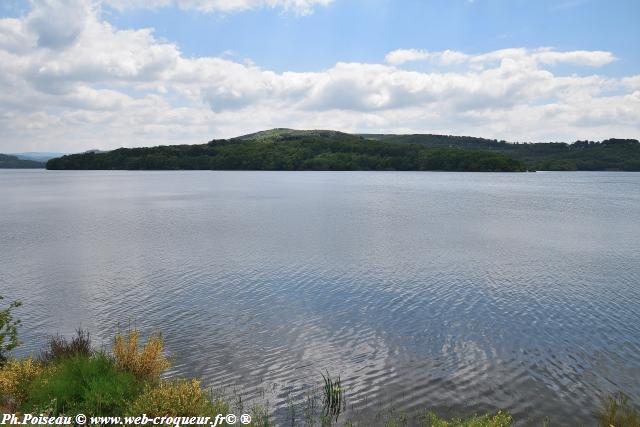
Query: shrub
[[15, 378], [617, 411], [8, 331], [177, 398], [60, 348], [80, 384], [146, 363]]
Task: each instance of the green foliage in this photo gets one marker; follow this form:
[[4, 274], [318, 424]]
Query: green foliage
[[500, 419], [8, 330], [286, 149], [632, 165], [294, 150], [334, 396], [80, 384], [610, 154], [59, 348], [617, 411]]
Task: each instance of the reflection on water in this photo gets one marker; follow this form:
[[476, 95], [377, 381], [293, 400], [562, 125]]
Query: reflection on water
[[460, 292]]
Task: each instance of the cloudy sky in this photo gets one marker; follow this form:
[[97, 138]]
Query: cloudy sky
[[82, 74]]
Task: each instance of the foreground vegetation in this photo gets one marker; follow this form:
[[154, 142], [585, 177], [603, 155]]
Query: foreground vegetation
[[70, 377]]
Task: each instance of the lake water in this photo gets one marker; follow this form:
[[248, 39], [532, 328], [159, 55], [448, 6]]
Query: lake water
[[461, 292]]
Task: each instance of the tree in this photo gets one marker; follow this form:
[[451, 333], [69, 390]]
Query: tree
[[8, 330]]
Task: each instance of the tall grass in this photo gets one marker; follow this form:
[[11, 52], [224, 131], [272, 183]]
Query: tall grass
[[334, 396], [500, 419], [617, 411], [79, 384]]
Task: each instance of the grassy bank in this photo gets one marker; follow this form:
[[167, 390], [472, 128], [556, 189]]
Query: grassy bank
[[70, 377]]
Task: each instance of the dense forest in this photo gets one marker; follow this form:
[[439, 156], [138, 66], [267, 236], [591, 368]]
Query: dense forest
[[285, 149], [610, 154], [294, 150], [13, 162]]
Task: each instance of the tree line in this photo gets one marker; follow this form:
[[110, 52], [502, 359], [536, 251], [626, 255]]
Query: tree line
[[338, 152]]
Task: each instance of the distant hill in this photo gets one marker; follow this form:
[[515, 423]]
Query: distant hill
[[38, 156], [289, 149], [13, 162]]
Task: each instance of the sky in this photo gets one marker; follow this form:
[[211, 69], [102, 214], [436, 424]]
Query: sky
[[102, 74]]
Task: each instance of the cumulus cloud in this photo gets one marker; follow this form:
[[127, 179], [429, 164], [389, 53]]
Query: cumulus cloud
[[57, 23], [86, 84], [298, 6]]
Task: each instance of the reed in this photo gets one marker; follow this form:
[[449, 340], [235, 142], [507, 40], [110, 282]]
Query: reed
[[618, 411], [334, 396]]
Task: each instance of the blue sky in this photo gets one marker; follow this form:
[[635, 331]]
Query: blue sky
[[366, 30], [80, 74]]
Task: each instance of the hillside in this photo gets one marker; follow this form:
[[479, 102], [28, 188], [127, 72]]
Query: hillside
[[288, 149], [13, 162], [284, 149], [610, 154]]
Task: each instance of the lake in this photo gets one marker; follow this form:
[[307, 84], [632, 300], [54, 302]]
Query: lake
[[459, 292]]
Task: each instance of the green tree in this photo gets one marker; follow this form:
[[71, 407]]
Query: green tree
[[8, 330]]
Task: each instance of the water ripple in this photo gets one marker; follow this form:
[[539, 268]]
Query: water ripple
[[460, 293]]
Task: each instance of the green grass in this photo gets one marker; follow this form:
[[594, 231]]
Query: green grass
[[500, 419], [617, 411], [334, 396], [91, 385]]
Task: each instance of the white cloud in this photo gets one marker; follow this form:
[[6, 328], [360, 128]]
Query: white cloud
[[632, 82], [594, 58], [58, 23], [298, 6], [447, 57], [80, 83], [401, 56], [546, 56]]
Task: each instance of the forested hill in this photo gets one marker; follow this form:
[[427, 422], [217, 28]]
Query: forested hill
[[286, 149], [610, 154], [13, 162], [281, 149]]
